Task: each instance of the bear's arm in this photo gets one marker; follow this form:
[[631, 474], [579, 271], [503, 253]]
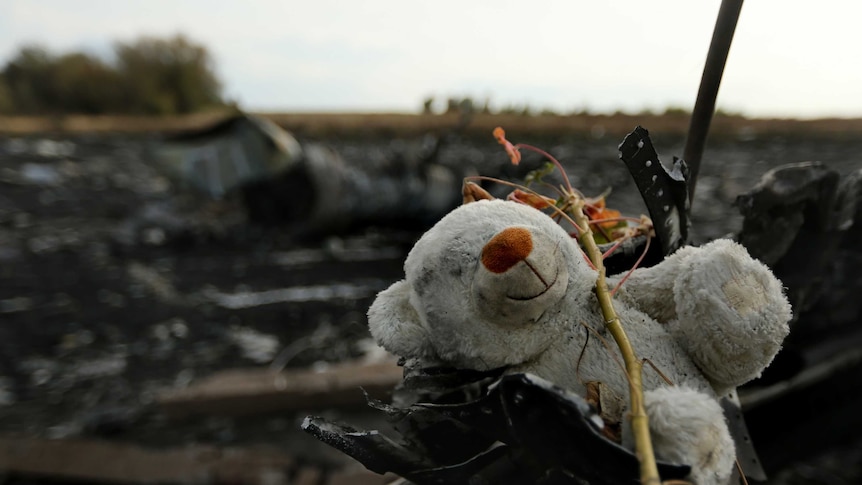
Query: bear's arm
[[650, 290], [732, 315], [726, 309]]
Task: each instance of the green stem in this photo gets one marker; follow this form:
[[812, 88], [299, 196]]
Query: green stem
[[634, 367], [553, 160]]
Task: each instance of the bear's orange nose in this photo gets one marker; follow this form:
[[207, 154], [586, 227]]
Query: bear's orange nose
[[506, 249]]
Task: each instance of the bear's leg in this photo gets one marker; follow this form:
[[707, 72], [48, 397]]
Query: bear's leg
[[688, 427], [731, 313]]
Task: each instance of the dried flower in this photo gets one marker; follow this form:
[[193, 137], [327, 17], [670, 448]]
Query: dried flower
[[514, 154], [472, 192], [533, 200], [596, 211]]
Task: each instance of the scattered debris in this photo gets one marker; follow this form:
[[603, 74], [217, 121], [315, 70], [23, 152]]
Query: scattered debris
[[41, 147], [509, 430], [254, 391], [16, 304], [804, 220], [256, 346], [236, 151], [150, 279], [7, 397], [664, 192], [247, 299], [40, 174], [799, 210], [280, 179], [113, 462], [73, 299]]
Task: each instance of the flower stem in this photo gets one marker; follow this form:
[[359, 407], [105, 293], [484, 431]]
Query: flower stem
[[553, 160], [634, 367]]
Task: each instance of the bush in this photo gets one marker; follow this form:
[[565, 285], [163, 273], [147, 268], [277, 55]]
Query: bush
[[676, 111], [168, 76], [5, 98], [147, 76]]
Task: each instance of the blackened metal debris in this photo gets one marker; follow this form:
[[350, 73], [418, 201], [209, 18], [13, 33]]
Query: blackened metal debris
[[664, 192], [520, 429]]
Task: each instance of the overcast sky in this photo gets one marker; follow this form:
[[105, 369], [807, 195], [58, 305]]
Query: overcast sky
[[789, 57]]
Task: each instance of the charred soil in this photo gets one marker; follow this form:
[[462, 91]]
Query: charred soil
[[116, 283]]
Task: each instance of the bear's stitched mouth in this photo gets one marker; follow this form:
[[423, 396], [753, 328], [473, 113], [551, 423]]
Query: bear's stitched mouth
[[548, 286]]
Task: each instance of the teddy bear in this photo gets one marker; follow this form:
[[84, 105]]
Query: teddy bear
[[498, 284]]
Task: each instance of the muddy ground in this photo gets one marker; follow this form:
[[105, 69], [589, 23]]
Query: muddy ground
[[116, 284]]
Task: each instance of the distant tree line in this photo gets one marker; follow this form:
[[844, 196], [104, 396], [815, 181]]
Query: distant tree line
[[459, 104], [151, 76]]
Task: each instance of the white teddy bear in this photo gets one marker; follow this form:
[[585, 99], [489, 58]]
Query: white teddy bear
[[499, 284]]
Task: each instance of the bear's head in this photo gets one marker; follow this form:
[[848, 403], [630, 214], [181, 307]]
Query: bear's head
[[483, 288]]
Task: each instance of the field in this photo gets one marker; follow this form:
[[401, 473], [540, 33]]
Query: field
[[115, 284], [402, 124]]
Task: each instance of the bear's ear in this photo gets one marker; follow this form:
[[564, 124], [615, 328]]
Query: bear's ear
[[395, 325]]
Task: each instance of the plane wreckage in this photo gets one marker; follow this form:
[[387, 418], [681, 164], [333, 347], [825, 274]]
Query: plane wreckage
[[281, 179]]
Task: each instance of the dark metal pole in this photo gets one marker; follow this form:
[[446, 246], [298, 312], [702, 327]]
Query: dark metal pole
[[704, 107]]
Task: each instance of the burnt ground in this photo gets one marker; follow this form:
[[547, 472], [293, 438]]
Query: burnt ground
[[115, 283]]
